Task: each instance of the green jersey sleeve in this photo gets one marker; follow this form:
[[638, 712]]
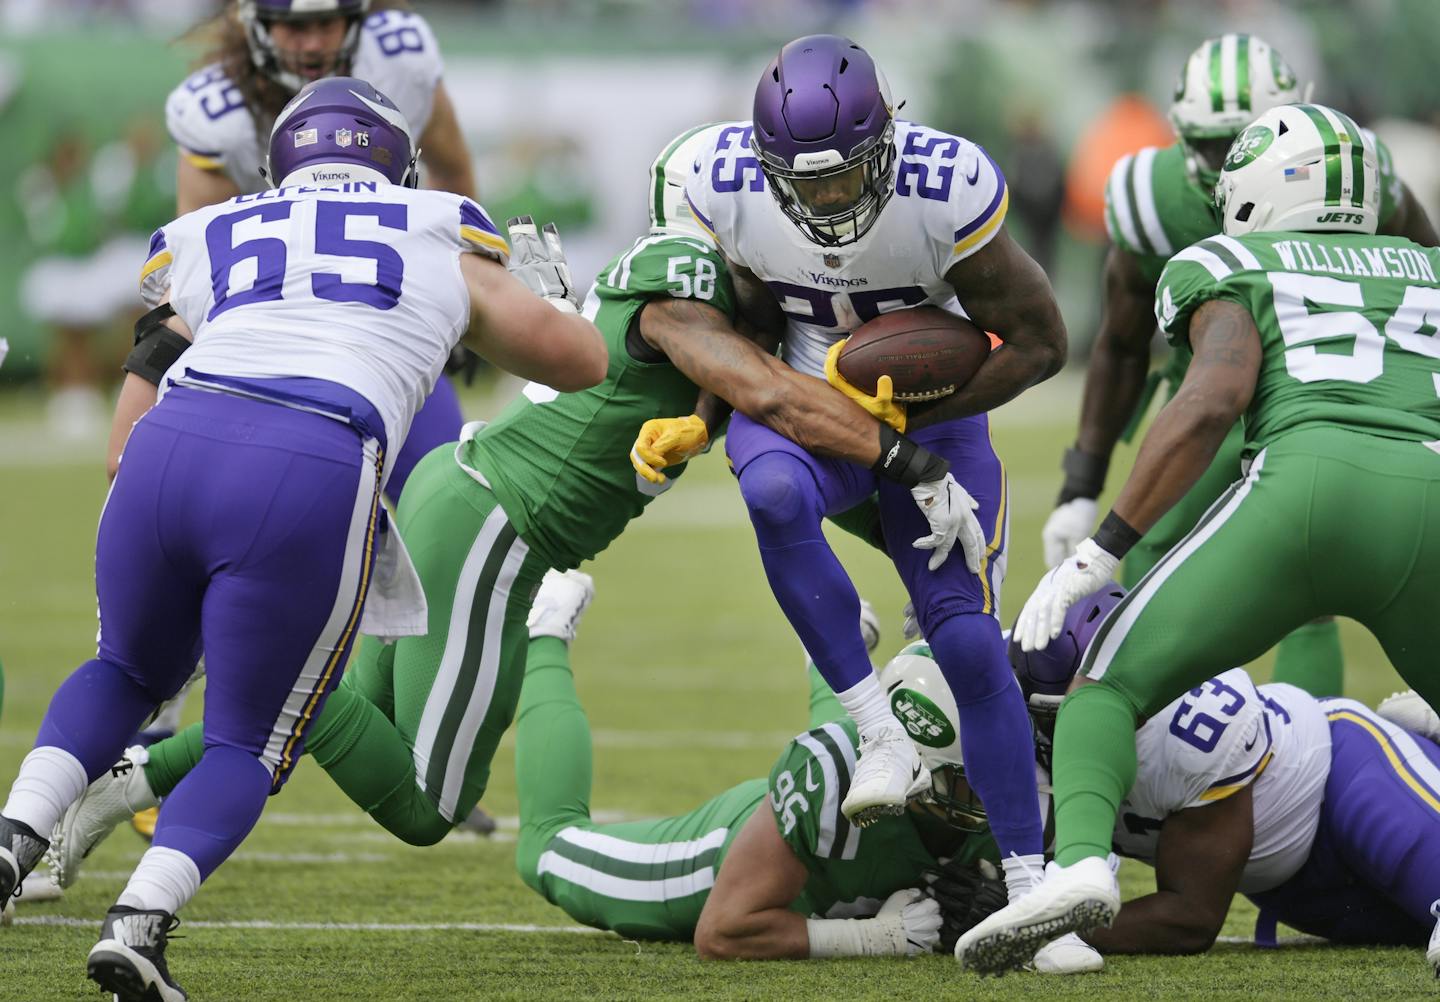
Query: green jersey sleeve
[[806, 788], [1199, 273], [681, 267]]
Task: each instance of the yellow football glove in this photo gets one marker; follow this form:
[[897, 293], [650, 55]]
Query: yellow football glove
[[665, 442], [882, 405]]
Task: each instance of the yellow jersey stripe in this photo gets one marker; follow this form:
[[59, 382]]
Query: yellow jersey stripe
[[203, 162], [475, 235], [1396, 762], [1221, 792], [991, 225], [155, 264]]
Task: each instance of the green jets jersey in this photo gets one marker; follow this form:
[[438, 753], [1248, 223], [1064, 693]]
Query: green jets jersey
[[1347, 325], [1153, 210], [559, 461], [851, 869]]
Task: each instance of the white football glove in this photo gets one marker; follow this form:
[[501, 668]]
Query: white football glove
[[1077, 576], [910, 629], [869, 626], [1067, 525], [950, 510], [538, 260], [917, 915]]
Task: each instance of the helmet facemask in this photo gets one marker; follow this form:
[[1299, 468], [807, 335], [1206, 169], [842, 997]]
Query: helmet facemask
[[293, 70], [834, 200]]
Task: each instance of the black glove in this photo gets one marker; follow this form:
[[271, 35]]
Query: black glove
[[965, 895]]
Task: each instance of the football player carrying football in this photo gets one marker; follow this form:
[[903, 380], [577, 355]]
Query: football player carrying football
[[1322, 335], [767, 869], [411, 733], [1321, 812], [246, 513], [830, 211], [1158, 201]]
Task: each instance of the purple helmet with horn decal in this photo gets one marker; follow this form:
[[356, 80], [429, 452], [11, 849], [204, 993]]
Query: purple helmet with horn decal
[[341, 129], [824, 133], [293, 70], [1045, 675]]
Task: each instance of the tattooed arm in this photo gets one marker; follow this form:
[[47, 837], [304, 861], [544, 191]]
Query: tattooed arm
[[1005, 292], [701, 343], [1188, 431]]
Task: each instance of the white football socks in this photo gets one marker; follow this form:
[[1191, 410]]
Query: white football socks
[[865, 702], [1022, 873], [164, 880], [50, 780]]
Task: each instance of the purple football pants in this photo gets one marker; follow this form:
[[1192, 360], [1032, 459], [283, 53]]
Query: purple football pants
[[245, 529], [436, 423], [788, 492], [1375, 866]]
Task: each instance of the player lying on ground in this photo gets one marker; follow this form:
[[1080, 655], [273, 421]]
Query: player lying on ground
[[410, 734], [1158, 202], [246, 515], [865, 214], [1321, 334], [1315, 810], [767, 869]]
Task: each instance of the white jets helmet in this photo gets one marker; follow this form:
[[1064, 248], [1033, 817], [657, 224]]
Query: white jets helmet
[[669, 210], [1225, 84], [921, 700], [1300, 167]]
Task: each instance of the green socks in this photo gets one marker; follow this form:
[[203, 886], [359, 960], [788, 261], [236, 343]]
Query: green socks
[[1311, 659], [172, 758], [1095, 767]]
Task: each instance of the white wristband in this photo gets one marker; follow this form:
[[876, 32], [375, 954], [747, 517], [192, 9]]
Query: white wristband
[[872, 937], [562, 304]]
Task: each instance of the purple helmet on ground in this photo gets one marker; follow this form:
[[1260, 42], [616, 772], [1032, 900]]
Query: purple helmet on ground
[[1045, 675], [824, 133], [341, 129], [292, 71]]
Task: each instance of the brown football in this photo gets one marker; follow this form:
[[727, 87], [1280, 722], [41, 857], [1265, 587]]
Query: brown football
[[927, 353]]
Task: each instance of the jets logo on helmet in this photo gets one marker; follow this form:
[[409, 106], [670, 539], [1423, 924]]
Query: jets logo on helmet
[[1223, 86], [290, 70], [1301, 167], [315, 136]]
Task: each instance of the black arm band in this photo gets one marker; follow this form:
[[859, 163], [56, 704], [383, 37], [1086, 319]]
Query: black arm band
[[905, 462], [1115, 535], [1084, 475], [152, 321], [156, 350]]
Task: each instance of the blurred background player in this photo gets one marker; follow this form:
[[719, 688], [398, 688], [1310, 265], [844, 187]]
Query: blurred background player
[[246, 516], [1339, 509], [1322, 812], [767, 869], [1159, 201], [826, 248]]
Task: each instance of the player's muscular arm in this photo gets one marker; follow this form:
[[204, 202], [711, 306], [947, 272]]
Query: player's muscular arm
[[759, 308], [747, 915], [443, 150], [523, 334], [1199, 859], [1188, 431], [196, 188], [1409, 220], [137, 395], [1120, 359], [701, 343], [1005, 292]]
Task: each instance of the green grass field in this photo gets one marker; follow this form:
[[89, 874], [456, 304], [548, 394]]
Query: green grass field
[[692, 681]]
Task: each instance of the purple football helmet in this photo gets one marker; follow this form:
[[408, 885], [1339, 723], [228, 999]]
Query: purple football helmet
[[348, 128], [291, 70], [1045, 675], [824, 134]]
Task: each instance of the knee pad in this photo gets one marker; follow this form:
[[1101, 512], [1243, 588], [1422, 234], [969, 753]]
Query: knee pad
[[779, 491]]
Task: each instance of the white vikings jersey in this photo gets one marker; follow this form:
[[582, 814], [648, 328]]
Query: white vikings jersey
[[1213, 742], [208, 119], [949, 201], [357, 283]]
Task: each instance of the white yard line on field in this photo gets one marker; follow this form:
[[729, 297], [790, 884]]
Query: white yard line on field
[[61, 920]]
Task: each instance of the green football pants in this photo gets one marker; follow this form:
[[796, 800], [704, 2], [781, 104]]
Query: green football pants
[[642, 879], [1326, 522]]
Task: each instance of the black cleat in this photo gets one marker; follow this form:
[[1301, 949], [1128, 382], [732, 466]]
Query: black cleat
[[20, 850], [479, 822], [129, 960]]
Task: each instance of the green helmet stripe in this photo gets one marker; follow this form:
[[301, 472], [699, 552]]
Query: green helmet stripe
[[657, 176], [1357, 158], [1242, 71], [1217, 97], [1331, 144]]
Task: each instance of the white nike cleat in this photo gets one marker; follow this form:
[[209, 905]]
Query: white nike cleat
[[1070, 899], [888, 775], [1433, 953], [1406, 709], [112, 799], [1068, 955], [559, 604]]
